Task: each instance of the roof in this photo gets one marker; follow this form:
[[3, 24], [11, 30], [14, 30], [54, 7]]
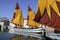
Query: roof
[[2, 19]]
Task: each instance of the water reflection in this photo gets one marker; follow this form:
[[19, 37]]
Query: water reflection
[[8, 36], [21, 37], [5, 35]]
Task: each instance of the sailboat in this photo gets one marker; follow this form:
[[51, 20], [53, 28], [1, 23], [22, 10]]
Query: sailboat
[[18, 20]]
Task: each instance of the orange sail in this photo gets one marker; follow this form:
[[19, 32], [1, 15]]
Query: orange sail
[[18, 19]]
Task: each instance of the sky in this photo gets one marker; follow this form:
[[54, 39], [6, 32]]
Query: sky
[[7, 7]]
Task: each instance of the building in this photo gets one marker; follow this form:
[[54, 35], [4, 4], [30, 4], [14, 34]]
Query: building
[[4, 23]]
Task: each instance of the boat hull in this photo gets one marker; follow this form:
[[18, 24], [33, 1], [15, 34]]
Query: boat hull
[[20, 30]]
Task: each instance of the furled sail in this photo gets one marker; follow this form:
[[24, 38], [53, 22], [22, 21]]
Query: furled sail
[[18, 19], [30, 18]]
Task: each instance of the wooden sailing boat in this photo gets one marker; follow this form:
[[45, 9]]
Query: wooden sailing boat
[[18, 19]]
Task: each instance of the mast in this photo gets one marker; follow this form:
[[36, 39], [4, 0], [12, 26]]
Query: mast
[[22, 21]]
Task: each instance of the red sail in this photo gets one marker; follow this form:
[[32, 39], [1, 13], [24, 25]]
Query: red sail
[[55, 19], [37, 16], [45, 19], [58, 4]]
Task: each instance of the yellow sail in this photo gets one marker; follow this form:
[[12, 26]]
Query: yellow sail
[[30, 18], [47, 4], [18, 19], [15, 12]]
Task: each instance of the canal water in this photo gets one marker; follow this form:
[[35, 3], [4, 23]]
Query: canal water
[[5, 35]]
